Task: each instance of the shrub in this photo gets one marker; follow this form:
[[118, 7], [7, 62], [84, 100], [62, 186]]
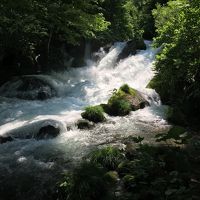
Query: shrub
[[125, 88], [94, 114], [87, 182], [108, 157]]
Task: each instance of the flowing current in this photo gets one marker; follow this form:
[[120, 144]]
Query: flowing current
[[30, 168]]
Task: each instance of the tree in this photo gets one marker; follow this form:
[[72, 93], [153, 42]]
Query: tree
[[178, 64], [124, 19], [30, 27], [146, 21]]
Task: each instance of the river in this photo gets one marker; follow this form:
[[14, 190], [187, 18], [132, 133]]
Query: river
[[29, 168]]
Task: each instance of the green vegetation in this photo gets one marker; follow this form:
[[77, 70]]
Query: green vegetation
[[146, 19], [127, 90], [29, 28], [153, 172], [87, 182], [177, 65], [108, 157], [32, 27], [55, 31], [118, 105], [94, 114], [124, 18], [178, 134]]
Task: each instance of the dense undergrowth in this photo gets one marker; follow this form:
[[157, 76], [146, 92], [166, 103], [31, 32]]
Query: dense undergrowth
[[138, 172]]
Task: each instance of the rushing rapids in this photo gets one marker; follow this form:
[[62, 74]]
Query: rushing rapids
[[29, 166]]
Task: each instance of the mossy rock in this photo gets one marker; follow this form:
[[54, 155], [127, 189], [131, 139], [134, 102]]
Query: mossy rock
[[112, 177], [129, 181], [94, 114], [125, 100]]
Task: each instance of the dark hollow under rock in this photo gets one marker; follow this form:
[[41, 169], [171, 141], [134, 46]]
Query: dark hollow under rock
[[5, 139], [48, 132]]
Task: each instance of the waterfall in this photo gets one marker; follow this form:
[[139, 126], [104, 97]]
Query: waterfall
[[76, 88]]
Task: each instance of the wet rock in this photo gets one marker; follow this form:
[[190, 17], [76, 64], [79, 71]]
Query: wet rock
[[5, 139], [137, 101], [48, 132], [31, 87], [84, 124], [41, 90], [43, 95], [131, 48]]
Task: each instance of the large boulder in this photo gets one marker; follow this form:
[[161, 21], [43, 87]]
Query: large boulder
[[32, 87], [124, 100], [4, 139], [48, 132], [131, 48]]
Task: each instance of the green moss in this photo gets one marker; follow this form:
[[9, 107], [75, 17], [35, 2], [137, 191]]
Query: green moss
[[152, 84], [94, 114], [118, 104], [128, 90], [119, 107], [108, 157]]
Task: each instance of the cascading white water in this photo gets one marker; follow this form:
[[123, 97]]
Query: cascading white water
[[76, 88]]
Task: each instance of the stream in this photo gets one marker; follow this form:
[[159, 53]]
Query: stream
[[30, 168]]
